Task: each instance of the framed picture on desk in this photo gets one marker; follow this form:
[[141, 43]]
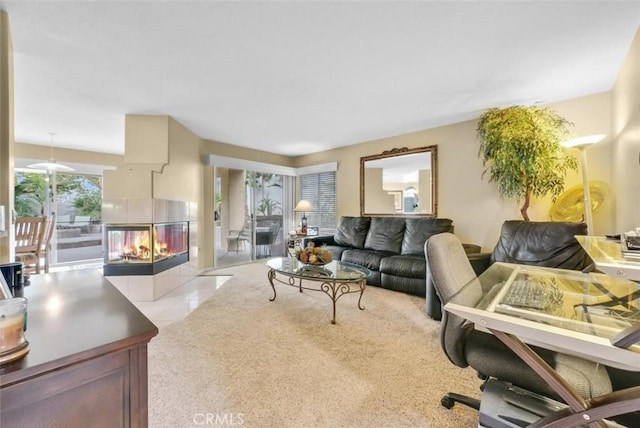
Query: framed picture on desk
[[312, 231]]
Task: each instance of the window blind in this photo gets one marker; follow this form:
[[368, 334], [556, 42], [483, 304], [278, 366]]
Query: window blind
[[320, 190]]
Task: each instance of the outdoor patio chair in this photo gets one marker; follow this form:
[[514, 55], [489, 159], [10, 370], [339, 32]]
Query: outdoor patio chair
[[236, 238]]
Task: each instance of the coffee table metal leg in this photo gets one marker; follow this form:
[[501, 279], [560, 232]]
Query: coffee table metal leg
[[332, 288], [333, 321], [329, 288], [363, 285], [271, 275]]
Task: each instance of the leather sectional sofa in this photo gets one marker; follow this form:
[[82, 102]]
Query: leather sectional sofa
[[391, 247]]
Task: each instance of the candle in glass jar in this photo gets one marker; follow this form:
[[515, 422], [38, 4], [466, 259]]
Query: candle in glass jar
[[12, 323], [11, 333]]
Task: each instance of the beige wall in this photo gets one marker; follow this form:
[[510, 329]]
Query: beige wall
[[34, 151], [223, 173], [181, 179], [207, 223], [470, 201], [377, 199], [424, 190], [221, 149], [237, 202], [626, 140], [6, 135]]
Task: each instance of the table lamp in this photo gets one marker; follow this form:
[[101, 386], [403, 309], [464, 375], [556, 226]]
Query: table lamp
[[304, 207], [582, 143]]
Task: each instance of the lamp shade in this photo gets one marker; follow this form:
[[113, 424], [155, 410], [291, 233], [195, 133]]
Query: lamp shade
[[304, 206], [582, 142], [52, 165]]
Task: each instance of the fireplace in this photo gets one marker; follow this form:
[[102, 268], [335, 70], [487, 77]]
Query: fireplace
[[145, 249]]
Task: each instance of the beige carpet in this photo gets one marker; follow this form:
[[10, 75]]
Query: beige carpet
[[241, 360]]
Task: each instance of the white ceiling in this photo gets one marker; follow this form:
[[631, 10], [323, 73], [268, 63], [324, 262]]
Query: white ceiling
[[299, 77]]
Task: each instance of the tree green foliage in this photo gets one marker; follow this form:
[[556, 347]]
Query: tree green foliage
[[30, 194], [268, 206], [521, 150], [89, 203], [32, 189], [260, 181], [27, 205]]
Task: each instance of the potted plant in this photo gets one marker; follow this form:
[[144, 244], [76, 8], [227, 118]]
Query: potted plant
[[521, 150]]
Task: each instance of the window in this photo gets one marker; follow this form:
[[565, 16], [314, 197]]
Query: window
[[320, 190]]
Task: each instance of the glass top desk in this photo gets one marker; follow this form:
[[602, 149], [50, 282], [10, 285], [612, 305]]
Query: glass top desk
[[575, 313], [607, 256]]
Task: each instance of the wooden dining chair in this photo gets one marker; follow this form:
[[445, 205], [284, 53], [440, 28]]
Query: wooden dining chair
[[30, 235], [46, 246]]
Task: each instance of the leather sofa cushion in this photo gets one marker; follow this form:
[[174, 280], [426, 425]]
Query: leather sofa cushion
[[336, 251], [352, 231], [405, 266], [413, 286], [418, 230], [366, 258], [545, 243], [385, 234]]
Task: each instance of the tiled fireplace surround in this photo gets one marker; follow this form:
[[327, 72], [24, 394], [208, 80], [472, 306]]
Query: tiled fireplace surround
[[146, 288]]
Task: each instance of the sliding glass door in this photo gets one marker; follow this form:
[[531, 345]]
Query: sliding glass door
[[248, 215], [76, 201], [267, 190], [233, 220]]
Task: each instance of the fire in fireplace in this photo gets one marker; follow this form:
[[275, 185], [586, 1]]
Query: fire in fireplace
[[145, 249]]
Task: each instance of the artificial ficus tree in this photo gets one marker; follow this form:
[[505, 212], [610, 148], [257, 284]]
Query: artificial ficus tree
[[521, 150]]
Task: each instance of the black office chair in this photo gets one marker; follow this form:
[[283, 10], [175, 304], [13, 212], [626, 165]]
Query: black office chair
[[537, 243], [450, 270]]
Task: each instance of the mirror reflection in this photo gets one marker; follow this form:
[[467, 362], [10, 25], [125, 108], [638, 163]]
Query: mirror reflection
[[399, 182]]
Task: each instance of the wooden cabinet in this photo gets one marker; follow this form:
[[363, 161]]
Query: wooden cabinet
[[87, 363]]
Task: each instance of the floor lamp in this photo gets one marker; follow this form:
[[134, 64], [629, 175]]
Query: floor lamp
[[582, 143]]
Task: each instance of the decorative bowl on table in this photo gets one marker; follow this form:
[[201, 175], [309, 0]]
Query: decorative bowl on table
[[316, 256]]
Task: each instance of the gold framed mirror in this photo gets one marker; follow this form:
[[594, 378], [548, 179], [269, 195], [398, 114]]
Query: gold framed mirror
[[400, 182]]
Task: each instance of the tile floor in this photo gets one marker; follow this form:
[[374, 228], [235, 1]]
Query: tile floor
[[173, 306], [179, 303]]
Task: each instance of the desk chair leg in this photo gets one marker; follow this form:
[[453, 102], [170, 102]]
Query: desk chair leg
[[452, 398]]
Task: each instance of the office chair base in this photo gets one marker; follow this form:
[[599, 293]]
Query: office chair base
[[452, 398]]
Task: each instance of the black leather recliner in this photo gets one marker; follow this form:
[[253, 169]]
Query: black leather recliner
[[545, 243]]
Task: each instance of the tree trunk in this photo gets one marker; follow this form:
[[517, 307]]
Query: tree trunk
[[525, 207]]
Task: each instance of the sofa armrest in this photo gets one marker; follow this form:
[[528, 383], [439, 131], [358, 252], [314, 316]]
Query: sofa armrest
[[471, 248], [479, 261], [320, 240]]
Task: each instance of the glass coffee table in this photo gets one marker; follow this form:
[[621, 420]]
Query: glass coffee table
[[335, 279]]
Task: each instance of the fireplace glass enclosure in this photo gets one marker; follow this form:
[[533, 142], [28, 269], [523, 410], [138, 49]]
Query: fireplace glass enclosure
[[145, 249]]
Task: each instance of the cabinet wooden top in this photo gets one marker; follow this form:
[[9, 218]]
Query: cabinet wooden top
[[74, 316]]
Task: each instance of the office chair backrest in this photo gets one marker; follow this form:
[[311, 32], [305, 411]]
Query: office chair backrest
[[541, 243], [454, 281]]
